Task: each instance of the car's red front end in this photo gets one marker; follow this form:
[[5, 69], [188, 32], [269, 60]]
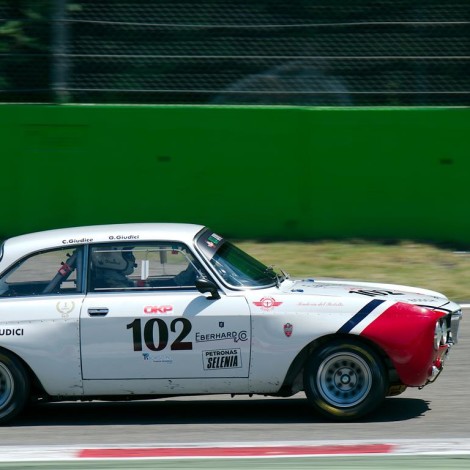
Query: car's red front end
[[417, 340]]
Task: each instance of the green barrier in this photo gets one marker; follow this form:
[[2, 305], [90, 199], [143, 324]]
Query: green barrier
[[256, 172]]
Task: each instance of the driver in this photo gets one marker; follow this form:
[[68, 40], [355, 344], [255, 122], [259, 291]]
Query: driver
[[112, 266], [187, 277]]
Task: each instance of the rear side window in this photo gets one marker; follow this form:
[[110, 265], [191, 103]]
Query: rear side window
[[43, 273]]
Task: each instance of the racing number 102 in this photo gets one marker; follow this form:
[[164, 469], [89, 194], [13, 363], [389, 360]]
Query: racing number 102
[[177, 345]]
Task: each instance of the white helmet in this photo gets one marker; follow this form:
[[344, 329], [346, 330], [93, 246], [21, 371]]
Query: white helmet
[[116, 259]]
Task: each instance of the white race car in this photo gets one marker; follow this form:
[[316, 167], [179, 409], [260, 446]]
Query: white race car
[[155, 310]]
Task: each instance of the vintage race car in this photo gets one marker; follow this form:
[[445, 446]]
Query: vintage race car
[[139, 311]]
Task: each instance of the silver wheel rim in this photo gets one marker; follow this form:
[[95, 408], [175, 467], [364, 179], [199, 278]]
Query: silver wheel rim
[[344, 380], [6, 386]]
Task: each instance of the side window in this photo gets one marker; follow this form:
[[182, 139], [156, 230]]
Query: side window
[[142, 267], [47, 272]]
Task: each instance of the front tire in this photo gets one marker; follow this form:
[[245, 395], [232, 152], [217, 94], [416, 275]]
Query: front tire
[[345, 380], [14, 387]]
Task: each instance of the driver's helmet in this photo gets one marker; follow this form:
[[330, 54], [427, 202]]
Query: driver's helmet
[[116, 259]]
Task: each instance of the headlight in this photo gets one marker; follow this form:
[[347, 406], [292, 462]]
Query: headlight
[[437, 335], [440, 333], [444, 331]]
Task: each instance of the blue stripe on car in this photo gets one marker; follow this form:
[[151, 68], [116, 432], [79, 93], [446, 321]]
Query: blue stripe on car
[[368, 308]]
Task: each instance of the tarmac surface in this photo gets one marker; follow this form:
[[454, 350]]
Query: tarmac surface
[[436, 417]]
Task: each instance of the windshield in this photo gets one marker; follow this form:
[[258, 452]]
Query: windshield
[[233, 265]]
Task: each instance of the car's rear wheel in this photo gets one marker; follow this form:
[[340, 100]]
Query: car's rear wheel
[[14, 387], [345, 380]]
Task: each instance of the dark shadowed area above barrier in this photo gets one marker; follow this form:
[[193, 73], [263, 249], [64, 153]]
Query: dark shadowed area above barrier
[[248, 172]]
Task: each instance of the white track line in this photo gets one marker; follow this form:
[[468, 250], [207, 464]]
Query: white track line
[[457, 446]]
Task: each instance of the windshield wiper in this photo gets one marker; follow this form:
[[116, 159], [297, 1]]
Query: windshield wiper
[[275, 276], [272, 274]]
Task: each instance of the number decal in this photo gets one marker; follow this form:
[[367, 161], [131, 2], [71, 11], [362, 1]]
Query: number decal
[[163, 335], [179, 345], [136, 334]]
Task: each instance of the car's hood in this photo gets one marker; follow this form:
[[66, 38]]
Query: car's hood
[[346, 288]]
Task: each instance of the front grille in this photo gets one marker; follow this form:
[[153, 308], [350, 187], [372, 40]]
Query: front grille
[[454, 321]]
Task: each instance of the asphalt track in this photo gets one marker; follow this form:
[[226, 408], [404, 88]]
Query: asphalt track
[[437, 413], [383, 463]]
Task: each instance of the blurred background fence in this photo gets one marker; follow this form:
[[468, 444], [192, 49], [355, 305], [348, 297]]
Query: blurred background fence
[[372, 140], [290, 52]]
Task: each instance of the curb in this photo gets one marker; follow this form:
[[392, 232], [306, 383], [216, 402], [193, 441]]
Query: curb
[[227, 451]]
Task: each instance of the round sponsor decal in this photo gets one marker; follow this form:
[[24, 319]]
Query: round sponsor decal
[[267, 303], [65, 307]]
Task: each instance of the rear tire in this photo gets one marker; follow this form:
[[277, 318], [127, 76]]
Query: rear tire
[[14, 387], [345, 380]]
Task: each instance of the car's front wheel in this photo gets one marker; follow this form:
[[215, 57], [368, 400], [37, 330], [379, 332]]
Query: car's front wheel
[[345, 380], [14, 386]]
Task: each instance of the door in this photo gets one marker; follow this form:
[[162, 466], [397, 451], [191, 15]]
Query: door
[[155, 324], [40, 301]]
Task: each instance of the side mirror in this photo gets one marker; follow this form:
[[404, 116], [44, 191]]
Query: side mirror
[[203, 285]]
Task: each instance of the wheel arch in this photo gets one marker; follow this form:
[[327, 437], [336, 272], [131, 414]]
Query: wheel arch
[[293, 381], [35, 387]]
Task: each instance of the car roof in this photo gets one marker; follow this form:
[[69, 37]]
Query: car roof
[[17, 247]]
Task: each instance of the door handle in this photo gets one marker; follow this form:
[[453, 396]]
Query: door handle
[[98, 312]]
